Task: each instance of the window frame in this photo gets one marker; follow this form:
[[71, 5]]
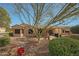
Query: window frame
[[17, 31]]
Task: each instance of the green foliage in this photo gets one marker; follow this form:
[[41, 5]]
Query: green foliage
[[75, 29], [4, 41], [4, 18], [10, 34], [64, 47]]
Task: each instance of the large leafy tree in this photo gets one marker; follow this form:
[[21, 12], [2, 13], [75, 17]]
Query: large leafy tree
[[41, 15], [4, 19]]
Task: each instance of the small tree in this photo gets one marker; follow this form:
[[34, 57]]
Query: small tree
[[41, 15]]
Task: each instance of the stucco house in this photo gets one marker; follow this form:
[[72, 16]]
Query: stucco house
[[59, 30], [25, 30]]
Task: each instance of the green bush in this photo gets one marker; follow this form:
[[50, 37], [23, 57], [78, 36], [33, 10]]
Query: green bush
[[11, 34], [64, 47], [4, 41]]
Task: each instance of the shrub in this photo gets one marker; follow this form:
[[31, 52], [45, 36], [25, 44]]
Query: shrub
[[4, 41], [64, 47], [10, 34]]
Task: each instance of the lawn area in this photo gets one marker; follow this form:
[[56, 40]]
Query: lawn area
[[64, 46]]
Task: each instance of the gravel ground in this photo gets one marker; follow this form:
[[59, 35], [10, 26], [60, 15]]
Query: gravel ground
[[31, 45]]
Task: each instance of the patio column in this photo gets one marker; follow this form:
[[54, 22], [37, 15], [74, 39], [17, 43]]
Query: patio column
[[21, 34]]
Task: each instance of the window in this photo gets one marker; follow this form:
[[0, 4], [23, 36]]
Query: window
[[30, 31], [66, 31], [17, 31], [50, 32]]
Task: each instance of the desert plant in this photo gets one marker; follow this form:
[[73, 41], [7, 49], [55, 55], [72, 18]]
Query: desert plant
[[64, 47], [4, 41]]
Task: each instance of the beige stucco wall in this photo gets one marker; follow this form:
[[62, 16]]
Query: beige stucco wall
[[57, 30], [22, 34], [2, 30]]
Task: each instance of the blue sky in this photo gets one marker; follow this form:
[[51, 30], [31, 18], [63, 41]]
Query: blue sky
[[15, 18]]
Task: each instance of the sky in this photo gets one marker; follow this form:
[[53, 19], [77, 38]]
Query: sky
[[15, 19]]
